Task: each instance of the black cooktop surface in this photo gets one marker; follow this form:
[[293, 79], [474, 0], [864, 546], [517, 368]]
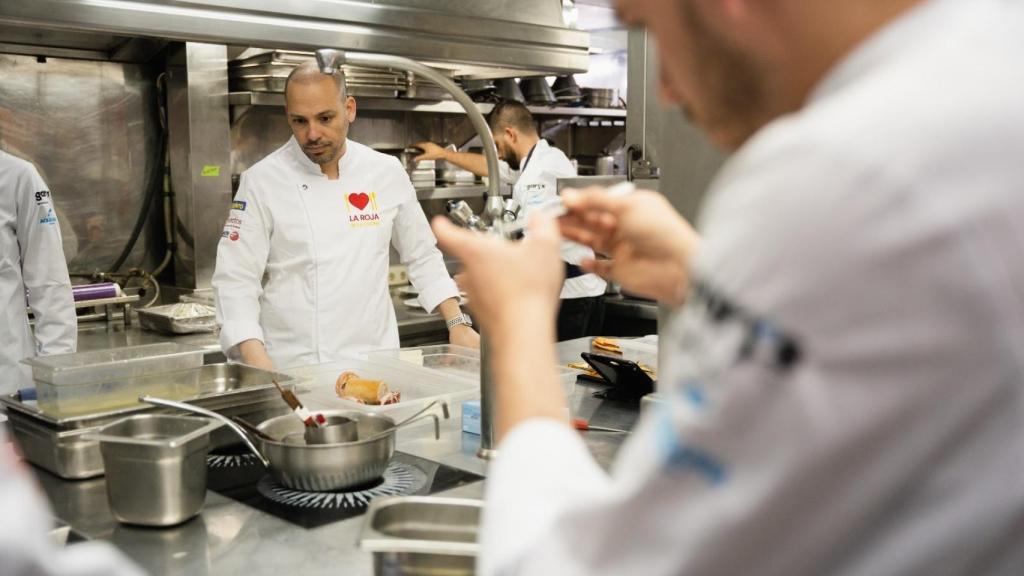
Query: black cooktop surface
[[237, 474]]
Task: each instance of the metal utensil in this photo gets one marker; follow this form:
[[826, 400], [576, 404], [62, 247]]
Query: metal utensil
[[415, 417], [337, 429], [250, 428], [223, 419]]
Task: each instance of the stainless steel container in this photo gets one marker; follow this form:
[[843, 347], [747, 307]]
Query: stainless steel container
[[537, 92], [422, 535], [324, 467], [66, 453], [156, 467], [605, 166], [59, 444], [180, 318], [601, 97]]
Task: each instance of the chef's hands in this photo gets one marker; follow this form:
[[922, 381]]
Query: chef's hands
[[508, 283], [649, 243], [254, 353], [431, 151], [513, 288]]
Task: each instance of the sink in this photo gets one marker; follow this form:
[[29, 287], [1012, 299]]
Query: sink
[[422, 535]]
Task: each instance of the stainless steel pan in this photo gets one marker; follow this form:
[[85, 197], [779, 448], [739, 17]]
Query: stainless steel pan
[[319, 467]]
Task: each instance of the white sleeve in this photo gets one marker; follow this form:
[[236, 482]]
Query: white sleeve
[[44, 269], [417, 248], [886, 445], [241, 261], [25, 547], [506, 174]]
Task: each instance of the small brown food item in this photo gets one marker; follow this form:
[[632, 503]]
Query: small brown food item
[[355, 389], [339, 386], [585, 368], [607, 344]]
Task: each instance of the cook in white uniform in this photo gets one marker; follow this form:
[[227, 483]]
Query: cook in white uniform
[[302, 267], [31, 259], [532, 167], [25, 518], [845, 381]]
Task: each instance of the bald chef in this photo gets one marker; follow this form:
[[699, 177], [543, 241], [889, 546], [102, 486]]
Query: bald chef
[[302, 265]]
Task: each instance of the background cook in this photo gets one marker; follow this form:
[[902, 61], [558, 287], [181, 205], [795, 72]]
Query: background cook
[[302, 266]]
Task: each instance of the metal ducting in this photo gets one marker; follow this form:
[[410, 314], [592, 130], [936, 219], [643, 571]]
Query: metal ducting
[[480, 38]]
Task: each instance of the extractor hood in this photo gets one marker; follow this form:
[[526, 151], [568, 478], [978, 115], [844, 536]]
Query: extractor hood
[[473, 37]]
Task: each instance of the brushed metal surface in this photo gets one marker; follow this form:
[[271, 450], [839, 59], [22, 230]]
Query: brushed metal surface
[[200, 154], [422, 535], [322, 467], [492, 32], [156, 467], [89, 129]]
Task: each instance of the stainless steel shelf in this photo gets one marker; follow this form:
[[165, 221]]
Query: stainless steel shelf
[[436, 107]]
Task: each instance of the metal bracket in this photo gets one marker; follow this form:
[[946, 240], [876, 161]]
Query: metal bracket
[[640, 168]]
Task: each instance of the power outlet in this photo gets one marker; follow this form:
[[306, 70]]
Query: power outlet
[[398, 276]]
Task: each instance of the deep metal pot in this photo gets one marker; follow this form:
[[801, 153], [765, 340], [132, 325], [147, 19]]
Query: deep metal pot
[[325, 467]]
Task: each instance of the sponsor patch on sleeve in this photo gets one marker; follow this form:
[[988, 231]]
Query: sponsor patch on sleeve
[[49, 219], [238, 205]]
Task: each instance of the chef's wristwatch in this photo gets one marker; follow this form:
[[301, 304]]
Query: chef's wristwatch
[[462, 318]]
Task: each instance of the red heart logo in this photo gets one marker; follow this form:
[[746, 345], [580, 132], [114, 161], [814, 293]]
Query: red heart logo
[[359, 200]]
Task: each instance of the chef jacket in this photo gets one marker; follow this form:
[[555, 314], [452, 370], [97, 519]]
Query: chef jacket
[[302, 264], [845, 384], [31, 258], [25, 520], [536, 183]]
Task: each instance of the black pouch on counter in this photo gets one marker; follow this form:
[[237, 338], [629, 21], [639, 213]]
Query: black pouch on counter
[[627, 381]]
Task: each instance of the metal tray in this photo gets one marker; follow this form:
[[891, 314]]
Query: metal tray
[[292, 57], [168, 320], [68, 454], [422, 535], [276, 84], [220, 385]]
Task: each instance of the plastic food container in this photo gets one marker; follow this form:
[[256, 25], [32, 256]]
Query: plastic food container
[[87, 382], [641, 350], [455, 361], [418, 386]]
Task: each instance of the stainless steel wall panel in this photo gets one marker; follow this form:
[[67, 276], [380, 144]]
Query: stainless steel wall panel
[[198, 120], [89, 128]]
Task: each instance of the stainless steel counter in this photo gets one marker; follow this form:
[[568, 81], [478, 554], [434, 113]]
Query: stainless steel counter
[[415, 328], [229, 537]]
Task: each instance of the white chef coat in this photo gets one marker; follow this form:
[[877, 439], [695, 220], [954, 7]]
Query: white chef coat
[[879, 229], [536, 183], [30, 258], [25, 546], [303, 262]]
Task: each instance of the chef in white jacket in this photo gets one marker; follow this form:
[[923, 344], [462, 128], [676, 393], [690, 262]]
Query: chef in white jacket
[[843, 376], [302, 267], [533, 167], [26, 548], [31, 258]]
